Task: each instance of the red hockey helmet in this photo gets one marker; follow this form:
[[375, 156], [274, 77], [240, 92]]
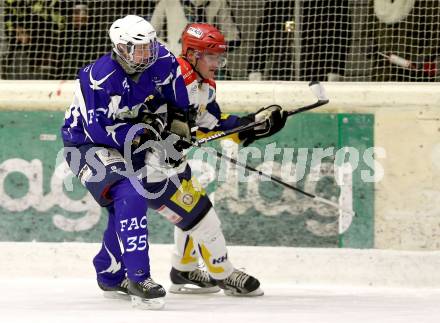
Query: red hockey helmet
[[203, 38]]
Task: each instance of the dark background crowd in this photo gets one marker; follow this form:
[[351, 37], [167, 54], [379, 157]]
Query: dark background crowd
[[334, 40]]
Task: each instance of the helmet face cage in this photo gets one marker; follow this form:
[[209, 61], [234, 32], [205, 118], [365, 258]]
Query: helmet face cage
[[148, 53], [134, 41]]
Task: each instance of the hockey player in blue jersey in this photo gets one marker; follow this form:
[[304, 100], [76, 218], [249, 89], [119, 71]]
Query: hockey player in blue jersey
[[133, 84]]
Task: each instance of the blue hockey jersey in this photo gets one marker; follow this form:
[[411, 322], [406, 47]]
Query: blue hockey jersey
[[108, 102]]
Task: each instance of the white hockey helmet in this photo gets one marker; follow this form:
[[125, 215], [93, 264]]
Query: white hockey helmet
[[135, 42]]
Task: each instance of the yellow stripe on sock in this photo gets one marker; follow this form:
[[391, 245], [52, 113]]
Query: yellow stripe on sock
[[206, 255]]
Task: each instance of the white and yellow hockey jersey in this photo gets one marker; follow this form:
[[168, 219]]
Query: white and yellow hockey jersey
[[202, 96]]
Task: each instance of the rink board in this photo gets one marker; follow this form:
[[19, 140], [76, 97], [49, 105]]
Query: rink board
[[34, 206]]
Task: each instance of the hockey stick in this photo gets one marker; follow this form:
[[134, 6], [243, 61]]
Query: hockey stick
[[279, 181], [319, 92], [316, 88]]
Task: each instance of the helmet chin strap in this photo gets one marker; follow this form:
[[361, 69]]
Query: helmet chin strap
[[127, 68], [194, 67]]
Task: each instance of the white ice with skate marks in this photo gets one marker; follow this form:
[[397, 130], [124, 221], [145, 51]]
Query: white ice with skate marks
[[69, 300]]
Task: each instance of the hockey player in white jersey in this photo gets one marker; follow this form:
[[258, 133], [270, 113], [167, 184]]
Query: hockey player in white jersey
[[203, 52]]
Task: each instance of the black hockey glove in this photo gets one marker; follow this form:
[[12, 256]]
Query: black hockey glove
[[275, 119], [177, 139], [188, 116], [153, 130]]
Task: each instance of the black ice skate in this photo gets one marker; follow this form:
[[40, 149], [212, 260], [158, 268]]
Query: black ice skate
[[240, 284], [117, 291], [146, 294], [192, 282]]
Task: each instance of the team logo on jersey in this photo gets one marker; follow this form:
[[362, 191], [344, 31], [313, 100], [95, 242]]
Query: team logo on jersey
[[188, 199], [196, 32], [188, 194]]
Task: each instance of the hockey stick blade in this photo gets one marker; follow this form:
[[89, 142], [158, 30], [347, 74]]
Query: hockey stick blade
[[319, 92]]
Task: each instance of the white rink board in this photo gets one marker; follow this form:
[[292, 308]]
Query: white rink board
[[50, 282], [236, 96]]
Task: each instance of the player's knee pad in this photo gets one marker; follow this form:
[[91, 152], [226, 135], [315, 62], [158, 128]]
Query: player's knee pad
[[208, 229], [212, 246]]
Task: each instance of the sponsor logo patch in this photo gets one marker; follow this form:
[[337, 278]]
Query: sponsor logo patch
[[109, 156], [169, 214], [84, 174], [195, 32]]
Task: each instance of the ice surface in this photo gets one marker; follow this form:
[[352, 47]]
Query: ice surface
[[63, 300]]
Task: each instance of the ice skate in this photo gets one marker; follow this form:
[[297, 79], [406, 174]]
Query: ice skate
[[240, 284], [146, 294], [118, 291], [192, 282]]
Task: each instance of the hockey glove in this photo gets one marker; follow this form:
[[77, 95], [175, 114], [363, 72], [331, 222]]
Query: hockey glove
[[177, 139], [153, 130], [274, 120], [188, 116]]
